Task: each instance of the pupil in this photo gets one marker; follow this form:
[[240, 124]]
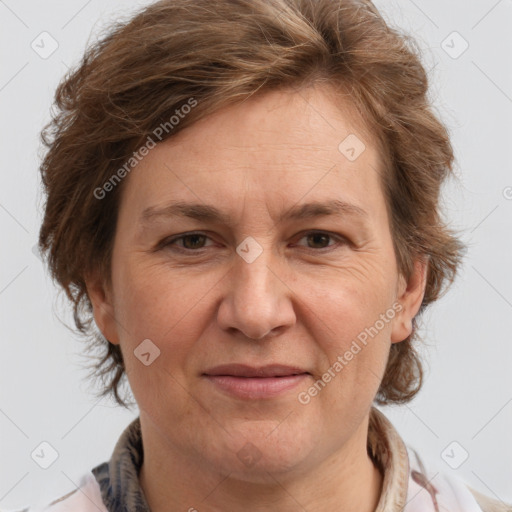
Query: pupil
[[192, 237], [316, 236]]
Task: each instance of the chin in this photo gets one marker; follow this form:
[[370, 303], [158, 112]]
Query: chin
[[260, 450]]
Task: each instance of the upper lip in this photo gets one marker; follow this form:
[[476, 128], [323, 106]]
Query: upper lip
[[243, 370]]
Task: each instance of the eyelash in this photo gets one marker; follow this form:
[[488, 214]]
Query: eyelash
[[167, 243]]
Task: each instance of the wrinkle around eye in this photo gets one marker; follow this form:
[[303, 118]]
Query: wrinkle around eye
[[212, 242]]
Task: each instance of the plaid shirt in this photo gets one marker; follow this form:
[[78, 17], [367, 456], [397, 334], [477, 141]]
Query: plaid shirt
[[114, 486]]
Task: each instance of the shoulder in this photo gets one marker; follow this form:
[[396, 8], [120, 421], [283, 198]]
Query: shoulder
[[448, 492], [85, 498]]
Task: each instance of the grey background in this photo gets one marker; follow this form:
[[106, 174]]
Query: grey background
[[467, 397]]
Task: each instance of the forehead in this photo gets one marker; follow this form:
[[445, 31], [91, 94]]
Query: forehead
[[282, 121], [278, 145]]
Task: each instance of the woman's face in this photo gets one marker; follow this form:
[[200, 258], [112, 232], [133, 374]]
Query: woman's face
[[263, 277]]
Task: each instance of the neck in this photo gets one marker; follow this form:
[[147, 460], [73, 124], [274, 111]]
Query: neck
[[174, 481]]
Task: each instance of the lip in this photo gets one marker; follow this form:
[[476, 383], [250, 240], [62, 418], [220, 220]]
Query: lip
[[243, 381], [256, 388], [244, 370]]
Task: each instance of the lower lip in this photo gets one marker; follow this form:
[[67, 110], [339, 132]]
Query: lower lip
[[256, 387]]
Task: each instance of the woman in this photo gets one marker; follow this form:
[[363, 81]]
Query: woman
[[243, 199]]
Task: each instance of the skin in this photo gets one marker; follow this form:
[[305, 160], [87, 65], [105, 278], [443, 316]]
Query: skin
[[301, 302]]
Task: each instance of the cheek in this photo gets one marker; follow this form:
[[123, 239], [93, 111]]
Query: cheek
[[169, 310], [347, 300], [171, 314], [154, 301], [351, 321]]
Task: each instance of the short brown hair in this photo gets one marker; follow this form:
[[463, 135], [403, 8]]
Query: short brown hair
[[220, 52]]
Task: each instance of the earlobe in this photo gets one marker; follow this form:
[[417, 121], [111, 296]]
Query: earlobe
[[103, 308], [410, 298]]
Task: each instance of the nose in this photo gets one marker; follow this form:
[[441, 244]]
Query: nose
[[257, 301]]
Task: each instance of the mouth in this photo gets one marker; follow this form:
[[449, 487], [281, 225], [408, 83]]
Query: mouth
[[243, 370], [248, 382]]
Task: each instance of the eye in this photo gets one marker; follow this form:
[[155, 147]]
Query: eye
[[186, 242], [321, 239], [194, 242]]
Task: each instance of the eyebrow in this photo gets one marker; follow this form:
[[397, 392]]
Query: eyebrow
[[208, 213]]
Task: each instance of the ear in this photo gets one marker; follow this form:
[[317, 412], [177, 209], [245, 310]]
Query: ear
[[410, 296], [100, 296]]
